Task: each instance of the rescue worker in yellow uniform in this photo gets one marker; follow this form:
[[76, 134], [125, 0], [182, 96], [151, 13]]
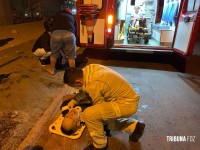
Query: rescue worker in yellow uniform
[[113, 101]]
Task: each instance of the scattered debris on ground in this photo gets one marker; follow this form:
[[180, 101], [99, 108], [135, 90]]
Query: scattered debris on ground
[[7, 126]]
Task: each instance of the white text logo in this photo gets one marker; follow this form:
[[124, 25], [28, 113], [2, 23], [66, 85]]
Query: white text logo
[[180, 138]]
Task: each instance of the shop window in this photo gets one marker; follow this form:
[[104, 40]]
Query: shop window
[[26, 10]]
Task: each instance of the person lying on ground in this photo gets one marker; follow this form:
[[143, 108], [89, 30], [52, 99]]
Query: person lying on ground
[[73, 118]]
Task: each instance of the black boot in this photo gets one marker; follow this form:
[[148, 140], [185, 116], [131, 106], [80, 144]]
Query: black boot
[[137, 133], [91, 147]]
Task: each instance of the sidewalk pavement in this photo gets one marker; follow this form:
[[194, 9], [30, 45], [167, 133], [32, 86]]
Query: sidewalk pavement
[[21, 33], [29, 90], [43, 121]]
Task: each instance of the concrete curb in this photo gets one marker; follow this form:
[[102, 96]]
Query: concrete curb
[[38, 129]]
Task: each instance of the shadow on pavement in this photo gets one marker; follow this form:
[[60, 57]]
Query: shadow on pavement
[[5, 41]]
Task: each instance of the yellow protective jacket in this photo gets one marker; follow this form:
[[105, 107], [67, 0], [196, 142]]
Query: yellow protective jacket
[[104, 84]]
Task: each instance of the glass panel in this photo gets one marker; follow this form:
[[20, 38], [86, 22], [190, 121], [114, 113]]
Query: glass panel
[[190, 5], [27, 10]]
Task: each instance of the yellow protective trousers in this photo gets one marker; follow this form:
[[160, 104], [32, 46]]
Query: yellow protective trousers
[[113, 113]]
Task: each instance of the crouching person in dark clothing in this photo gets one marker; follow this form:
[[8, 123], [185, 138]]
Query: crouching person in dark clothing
[[41, 47]]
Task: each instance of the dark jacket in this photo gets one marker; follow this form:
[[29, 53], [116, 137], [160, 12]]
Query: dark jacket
[[42, 42], [64, 21]]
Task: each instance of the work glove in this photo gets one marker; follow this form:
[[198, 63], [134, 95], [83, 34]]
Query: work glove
[[68, 97], [71, 104], [64, 103], [66, 100]]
